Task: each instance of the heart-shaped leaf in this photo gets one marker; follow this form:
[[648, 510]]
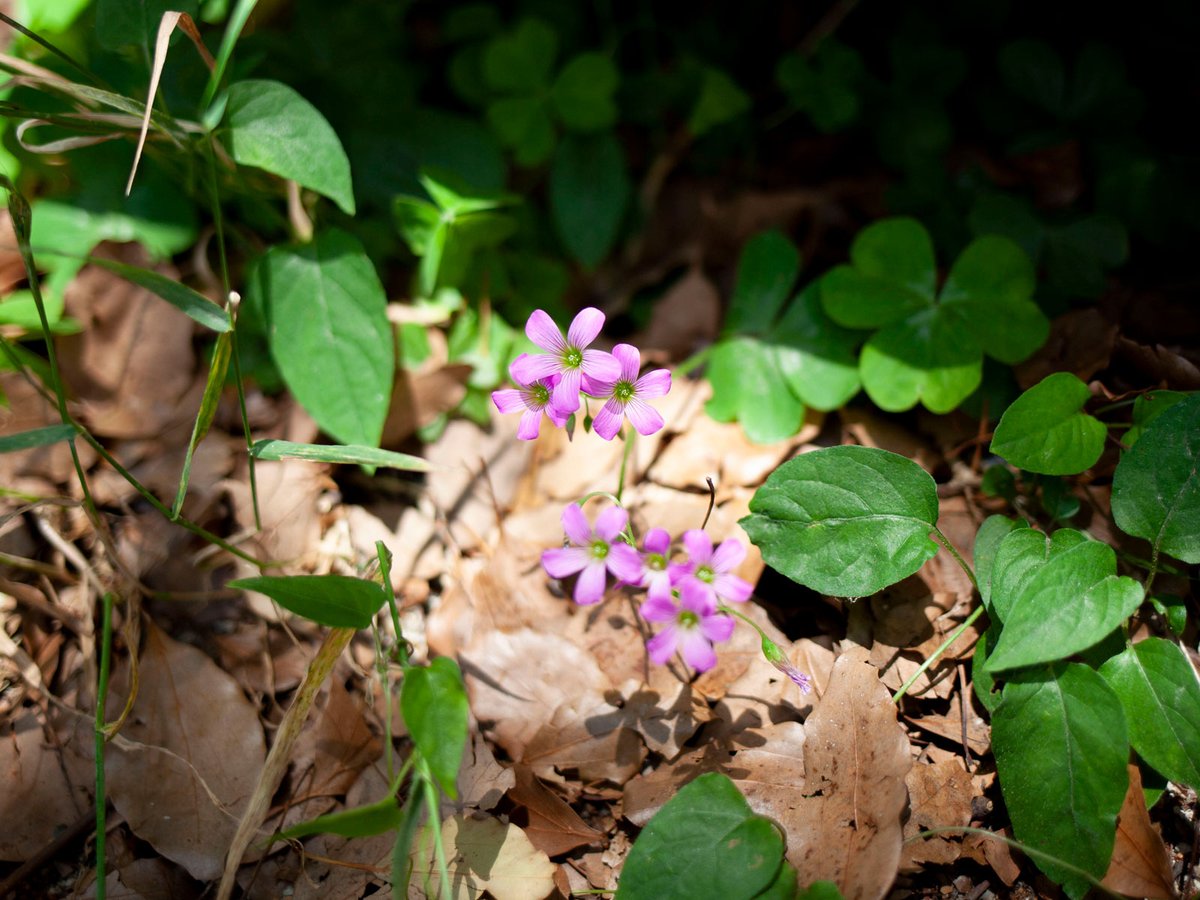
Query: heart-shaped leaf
[[582, 93], [520, 60], [846, 521], [1146, 409], [433, 702], [991, 534], [334, 600], [1045, 431], [1018, 558], [1161, 696], [589, 190], [719, 100]]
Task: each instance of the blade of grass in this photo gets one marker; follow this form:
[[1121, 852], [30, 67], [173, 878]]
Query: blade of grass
[[233, 30], [339, 453], [36, 437], [41, 41], [208, 410]]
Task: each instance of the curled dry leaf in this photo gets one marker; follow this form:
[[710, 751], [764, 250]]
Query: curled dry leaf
[[1141, 862], [549, 823], [483, 855]]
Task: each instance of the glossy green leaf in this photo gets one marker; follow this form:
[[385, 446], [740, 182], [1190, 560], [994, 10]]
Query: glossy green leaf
[[1146, 409], [433, 702], [36, 437], [1156, 487], [924, 359], [815, 355], [749, 386], [991, 534], [1045, 431], [334, 600], [274, 128], [361, 821], [1059, 738], [719, 101], [582, 93], [896, 274], [1174, 609], [704, 842], [984, 683], [1019, 556], [191, 303], [339, 453], [589, 192], [329, 333], [846, 521], [1159, 691], [766, 272]]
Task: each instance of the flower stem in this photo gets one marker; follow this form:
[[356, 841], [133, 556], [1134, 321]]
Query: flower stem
[[946, 644], [945, 542], [628, 436]]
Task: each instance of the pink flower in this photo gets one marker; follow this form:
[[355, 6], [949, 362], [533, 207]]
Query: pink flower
[[594, 554], [711, 569], [569, 359], [656, 577], [776, 658], [531, 400], [695, 625], [626, 395]]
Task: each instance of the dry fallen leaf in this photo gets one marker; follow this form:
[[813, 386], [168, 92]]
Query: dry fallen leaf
[[1141, 863], [940, 796], [483, 855], [549, 823]]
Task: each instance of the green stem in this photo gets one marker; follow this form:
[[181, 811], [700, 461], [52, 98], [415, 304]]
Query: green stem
[[945, 542], [936, 655], [101, 698], [435, 822], [629, 436]]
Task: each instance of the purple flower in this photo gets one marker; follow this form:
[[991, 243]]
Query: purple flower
[[656, 577], [711, 569], [594, 554], [695, 625], [531, 400], [776, 658], [570, 359], [626, 395]]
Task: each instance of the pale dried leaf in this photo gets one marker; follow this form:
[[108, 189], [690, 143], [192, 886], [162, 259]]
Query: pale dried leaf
[[939, 796], [483, 855], [1141, 862], [482, 782]]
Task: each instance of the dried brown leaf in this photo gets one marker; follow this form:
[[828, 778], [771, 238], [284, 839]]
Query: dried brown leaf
[[940, 796], [482, 782], [1141, 862], [551, 825]]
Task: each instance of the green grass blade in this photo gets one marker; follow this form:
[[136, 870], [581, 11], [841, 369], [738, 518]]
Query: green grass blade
[[339, 453]]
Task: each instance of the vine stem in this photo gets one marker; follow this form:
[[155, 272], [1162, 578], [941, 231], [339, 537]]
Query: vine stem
[[945, 542], [936, 655], [629, 436]]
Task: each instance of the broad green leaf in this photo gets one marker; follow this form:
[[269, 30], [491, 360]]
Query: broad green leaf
[[857, 300], [766, 272], [1059, 738], [121, 23], [1161, 697], [1019, 556], [1146, 409], [582, 93], [50, 16], [338, 453], [523, 125], [926, 358], [898, 250], [333, 600], [36, 437], [434, 705], [329, 333], [987, 544], [1156, 487], [991, 284], [981, 678], [1079, 255], [519, 61], [1067, 604], [361, 821], [192, 303], [720, 100], [589, 191], [1045, 431], [704, 842], [846, 521], [749, 386], [274, 128], [815, 355], [416, 219], [1173, 608], [827, 87]]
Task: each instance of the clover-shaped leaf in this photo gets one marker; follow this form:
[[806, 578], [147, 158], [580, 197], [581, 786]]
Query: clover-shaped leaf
[[520, 60], [1045, 430], [929, 348], [582, 94], [826, 86], [1095, 90], [719, 100], [770, 364]]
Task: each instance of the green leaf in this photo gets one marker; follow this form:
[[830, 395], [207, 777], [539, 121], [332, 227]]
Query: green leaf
[[985, 685], [36, 437], [1068, 603], [334, 600], [1060, 743], [1045, 431], [124, 23], [846, 521], [1019, 557], [582, 94], [820, 890], [815, 355], [361, 821], [338, 453], [210, 400], [434, 705], [519, 61], [1156, 488], [1035, 72], [523, 125], [1146, 409], [329, 333], [1079, 254], [750, 386], [991, 534], [192, 303], [897, 252], [705, 842], [589, 191], [1173, 608], [1160, 694], [765, 275], [827, 87], [274, 128], [926, 358], [719, 101]]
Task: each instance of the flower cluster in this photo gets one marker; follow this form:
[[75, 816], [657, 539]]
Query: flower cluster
[[552, 383], [688, 597]]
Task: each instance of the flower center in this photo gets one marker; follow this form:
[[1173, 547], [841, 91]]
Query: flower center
[[572, 358], [705, 574], [688, 619], [623, 391], [656, 562], [540, 394], [599, 549]]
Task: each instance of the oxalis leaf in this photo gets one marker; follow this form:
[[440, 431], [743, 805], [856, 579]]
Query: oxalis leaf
[[1156, 487], [1044, 431], [334, 600], [846, 521], [1060, 743], [329, 333], [929, 348], [1161, 697], [705, 842]]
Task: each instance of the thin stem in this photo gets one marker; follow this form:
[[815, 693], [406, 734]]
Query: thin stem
[[936, 655], [101, 698], [435, 821], [629, 436], [945, 542]]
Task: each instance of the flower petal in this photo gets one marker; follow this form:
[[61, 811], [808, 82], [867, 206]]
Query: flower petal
[[557, 416], [531, 424], [732, 588], [679, 570], [530, 367], [542, 331], [611, 522], [644, 417], [592, 581], [630, 359], [698, 597], [608, 421], [509, 400], [697, 652], [655, 383], [728, 556], [657, 585], [717, 628], [698, 545], [657, 540], [566, 393], [601, 390], [601, 366], [662, 646], [563, 562], [625, 563], [659, 609], [576, 526], [584, 327]]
